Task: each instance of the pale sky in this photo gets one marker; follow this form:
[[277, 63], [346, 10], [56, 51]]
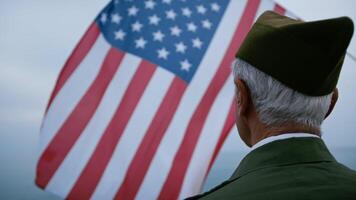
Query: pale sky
[[36, 37]]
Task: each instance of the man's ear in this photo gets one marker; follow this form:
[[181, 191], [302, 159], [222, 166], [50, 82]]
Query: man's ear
[[243, 97], [334, 99]]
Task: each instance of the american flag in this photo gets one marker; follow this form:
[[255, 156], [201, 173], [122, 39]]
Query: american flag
[[145, 102]]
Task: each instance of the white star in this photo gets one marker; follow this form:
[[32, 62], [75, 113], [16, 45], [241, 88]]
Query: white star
[[201, 9], [175, 30], [185, 65], [140, 43], [133, 11], [150, 4], [116, 18], [180, 47], [197, 43], [206, 24], [215, 7], [171, 14], [154, 19], [167, 1], [162, 53], [186, 12], [191, 27], [158, 36], [136, 26], [103, 18], [120, 34]]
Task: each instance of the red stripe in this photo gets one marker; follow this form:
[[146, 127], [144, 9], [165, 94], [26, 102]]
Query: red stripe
[[71, 129], [148, 147], [78, 54], [279, 9], [90, 176], [174, 181], [229, 122]]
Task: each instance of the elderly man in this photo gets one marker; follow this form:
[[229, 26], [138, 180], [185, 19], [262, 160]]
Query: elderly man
[[285, 75]]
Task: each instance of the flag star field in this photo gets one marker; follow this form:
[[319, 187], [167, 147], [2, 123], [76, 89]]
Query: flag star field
[[175, 39]]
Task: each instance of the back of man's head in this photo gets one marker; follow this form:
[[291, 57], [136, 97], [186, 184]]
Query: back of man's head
[[277, 104]]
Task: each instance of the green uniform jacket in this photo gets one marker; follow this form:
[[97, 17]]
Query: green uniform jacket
[[295, 168]]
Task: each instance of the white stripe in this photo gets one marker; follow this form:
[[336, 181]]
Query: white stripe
[[264, 6], [207, 141], [269, 5], [133, 134], [290, 14], [72, 91], [71, 167], [170, 143]]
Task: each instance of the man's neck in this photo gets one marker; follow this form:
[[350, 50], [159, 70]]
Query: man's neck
[[264, 131], [282, 137]]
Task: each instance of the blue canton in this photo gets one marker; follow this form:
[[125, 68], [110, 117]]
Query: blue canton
[[174, 34]]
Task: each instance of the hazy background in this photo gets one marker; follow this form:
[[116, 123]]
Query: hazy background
[[37, 36]]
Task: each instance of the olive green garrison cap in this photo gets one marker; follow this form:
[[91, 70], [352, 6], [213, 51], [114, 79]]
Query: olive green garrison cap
[[305, 56]]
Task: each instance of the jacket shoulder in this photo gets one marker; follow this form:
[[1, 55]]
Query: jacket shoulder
[[324, 180]]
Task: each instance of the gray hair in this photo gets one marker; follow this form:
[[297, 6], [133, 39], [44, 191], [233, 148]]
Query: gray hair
[[277, 104]]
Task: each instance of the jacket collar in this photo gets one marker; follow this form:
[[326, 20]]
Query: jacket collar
[[284, 152]]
